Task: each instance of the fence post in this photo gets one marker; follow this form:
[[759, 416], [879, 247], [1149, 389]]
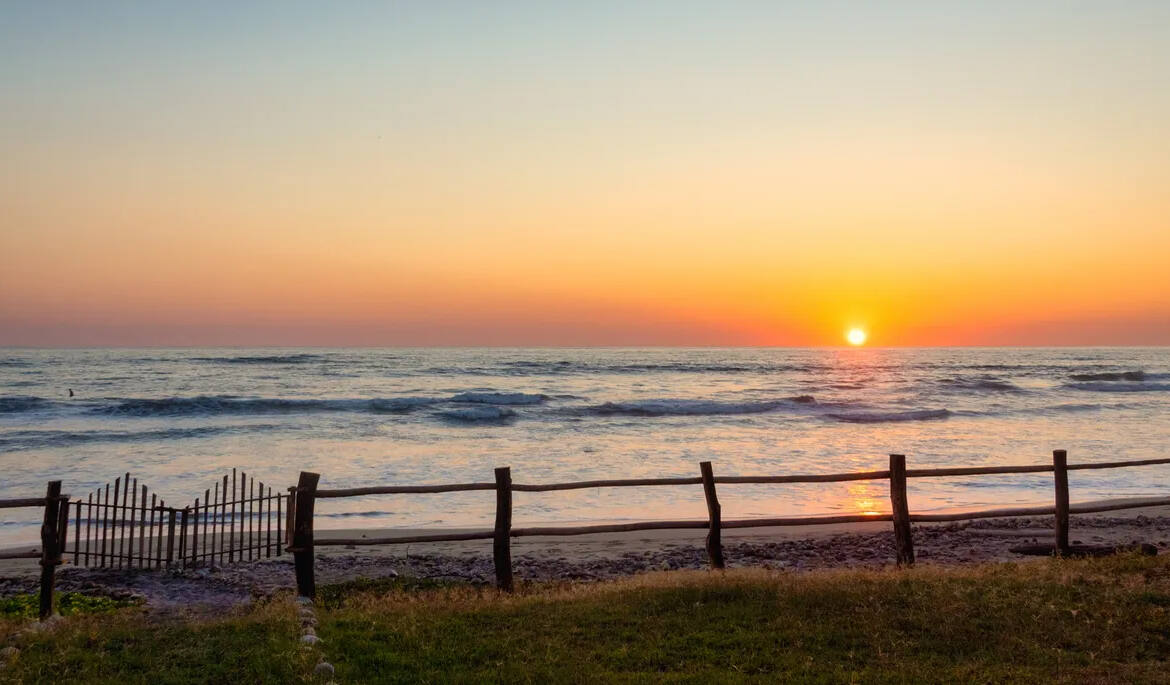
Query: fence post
[[502, 542], [50, 548], [302, 536], [1060, 478], [183, 537], [170, 537], [900, 507], [714, 517]]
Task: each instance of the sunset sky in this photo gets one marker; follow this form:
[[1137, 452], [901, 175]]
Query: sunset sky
[[591, 173]]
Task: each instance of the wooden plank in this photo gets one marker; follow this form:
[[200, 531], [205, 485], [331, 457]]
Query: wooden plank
[[807, 478], [62, 527], [252, 519], [714, 517], [206, 520], [77, 537], [438, 537], [1098, 507], [1118, 464], [900, 508], [502, 543], [50, 552], [223, 520], [279, 533], [609, 528], [133, 505], [807, 521], [976, 471], [170, 537], [105, 521], [405, 489], [22, 502], [32, 554], [303, 533], [290, 516], [610, 483], [1060, 482], [232, 523], [89, 529], [194, 548], [122, 523], [142, 530], [984, 514], [268, 536], [158, 554]]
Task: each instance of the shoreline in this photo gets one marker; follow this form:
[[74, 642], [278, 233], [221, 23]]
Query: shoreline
[[591, 557]]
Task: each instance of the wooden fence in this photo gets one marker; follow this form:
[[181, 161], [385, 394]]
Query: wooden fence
[[54, 529], [306, 493], [123, 529]]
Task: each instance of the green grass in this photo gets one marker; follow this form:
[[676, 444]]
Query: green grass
[[1101, 621], [68, 603]]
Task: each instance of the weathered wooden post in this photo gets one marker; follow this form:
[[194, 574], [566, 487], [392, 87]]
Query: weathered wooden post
[[502, 541], [1060, 479], [302, 536], [171, 536], [50, 546], [714, 517], [900, 507]]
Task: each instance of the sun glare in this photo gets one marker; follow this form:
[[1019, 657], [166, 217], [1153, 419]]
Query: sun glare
[[856, 336]]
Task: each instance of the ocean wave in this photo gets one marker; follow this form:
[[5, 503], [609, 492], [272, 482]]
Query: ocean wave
[[225, 404], [679, 407], [22, 403], [484, 414], [980, 384], [352, 514], [508, 398], [263, 359], [885, 417], [1110, 376], [1115, 386], [23, 440]]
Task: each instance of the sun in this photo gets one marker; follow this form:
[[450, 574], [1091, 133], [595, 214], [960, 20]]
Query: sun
[[856, 336]]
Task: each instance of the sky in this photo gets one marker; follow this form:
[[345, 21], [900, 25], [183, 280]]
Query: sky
[[601, 173]]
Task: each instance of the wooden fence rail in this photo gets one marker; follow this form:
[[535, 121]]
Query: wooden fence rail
[[54, 529], [300, 511]]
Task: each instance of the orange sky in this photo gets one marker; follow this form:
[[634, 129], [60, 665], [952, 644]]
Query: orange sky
[[770, 177]]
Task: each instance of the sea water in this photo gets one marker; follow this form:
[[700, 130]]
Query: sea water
[[179, 419]]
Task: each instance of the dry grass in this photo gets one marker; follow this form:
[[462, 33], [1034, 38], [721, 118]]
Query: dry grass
[[1075, 621], [1101, 621]]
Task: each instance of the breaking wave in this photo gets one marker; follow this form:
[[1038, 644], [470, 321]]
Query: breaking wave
[[484, 414], [1114, 386], [1110, 376], [263, 359], [20, 403], [885, 417], [677, 407], [508, 398], [212, 405], [981, 384], [34, 439]]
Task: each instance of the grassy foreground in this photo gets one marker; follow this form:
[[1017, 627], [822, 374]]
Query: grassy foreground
[[1073, 621]]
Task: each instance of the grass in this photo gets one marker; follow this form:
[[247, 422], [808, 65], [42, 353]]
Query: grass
[[1104, 620]]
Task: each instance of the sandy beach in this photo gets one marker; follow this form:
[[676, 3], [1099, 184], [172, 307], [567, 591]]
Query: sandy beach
[[593, 557]]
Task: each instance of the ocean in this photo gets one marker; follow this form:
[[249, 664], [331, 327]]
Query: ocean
[[178, 419]]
